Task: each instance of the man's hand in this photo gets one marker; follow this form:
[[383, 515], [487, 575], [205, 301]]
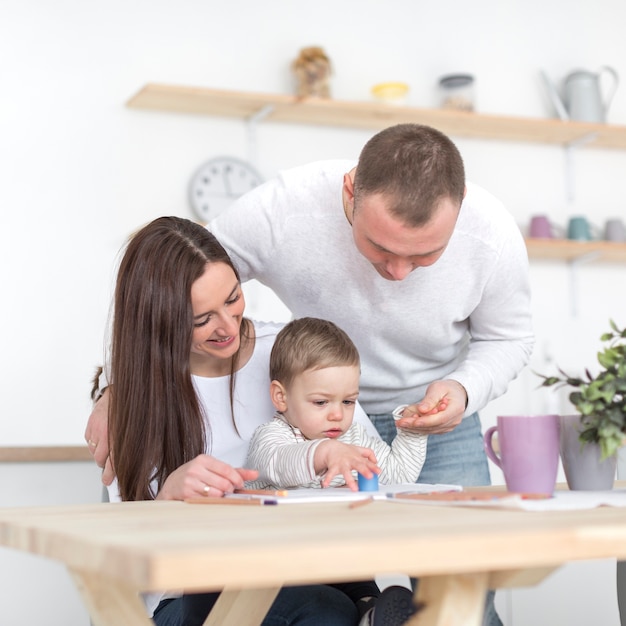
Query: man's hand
[[439, 412], [96, 436], [335, 457]]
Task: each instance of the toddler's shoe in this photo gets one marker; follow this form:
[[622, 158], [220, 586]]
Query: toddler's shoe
[[394, 606]]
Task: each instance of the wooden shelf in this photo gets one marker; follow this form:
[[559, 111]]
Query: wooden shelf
[[329, 112], [44, 454], [566, 250], [348, 114]]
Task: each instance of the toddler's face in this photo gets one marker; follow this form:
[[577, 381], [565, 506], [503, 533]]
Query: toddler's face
[[321, 402]]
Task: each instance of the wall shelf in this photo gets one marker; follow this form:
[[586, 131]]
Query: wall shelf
[[352, 114], [254, 107], [44, 454], [572, 251]]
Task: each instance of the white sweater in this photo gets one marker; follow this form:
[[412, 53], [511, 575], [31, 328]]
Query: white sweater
[[466, 317]]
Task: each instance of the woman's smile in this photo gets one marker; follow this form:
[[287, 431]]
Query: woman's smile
[[218, 305], [222, 342]]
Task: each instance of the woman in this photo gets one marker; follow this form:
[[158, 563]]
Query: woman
[[190, 378]]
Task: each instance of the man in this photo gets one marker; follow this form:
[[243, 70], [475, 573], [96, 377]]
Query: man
[[428, 276]]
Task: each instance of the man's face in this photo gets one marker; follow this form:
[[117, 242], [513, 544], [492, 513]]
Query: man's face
[[395, 249]]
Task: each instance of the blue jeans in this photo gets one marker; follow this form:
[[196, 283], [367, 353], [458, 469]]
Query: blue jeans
[[455, 458], [309, 605]]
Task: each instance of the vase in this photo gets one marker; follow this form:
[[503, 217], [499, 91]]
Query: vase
[[582, 464]]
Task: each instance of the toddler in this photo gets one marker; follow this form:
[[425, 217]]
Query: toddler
[[312, 441]]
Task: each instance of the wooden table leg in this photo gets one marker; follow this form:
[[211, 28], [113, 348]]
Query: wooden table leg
[[519, 577], [241, 607], [451, 600], [109, 602]]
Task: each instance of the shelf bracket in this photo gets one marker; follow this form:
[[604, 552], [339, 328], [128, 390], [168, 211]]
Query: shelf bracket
[[252, 123], [574, 264], [569, 164]]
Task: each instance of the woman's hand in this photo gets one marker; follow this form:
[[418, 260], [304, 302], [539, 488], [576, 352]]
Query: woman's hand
[[335, 457], [440, 411], [204, 476], [96, 436]]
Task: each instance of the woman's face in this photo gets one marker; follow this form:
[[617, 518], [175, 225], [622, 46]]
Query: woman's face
[[218, 304]]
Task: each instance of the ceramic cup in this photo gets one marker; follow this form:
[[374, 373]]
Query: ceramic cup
[[579, 229], [367, 484], [614, 230], [540, 227], [529, 451], [581, 463], [391, 93]]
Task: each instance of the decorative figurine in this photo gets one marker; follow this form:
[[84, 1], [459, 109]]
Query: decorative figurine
[[312, 69]]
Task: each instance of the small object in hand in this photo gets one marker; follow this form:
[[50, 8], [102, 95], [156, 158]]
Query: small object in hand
[[368, 484], [398, 413], [312, 69]]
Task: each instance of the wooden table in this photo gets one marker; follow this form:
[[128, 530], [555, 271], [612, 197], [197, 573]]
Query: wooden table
[[115, 550]]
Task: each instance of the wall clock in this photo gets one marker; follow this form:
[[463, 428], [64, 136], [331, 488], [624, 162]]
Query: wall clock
[[218, 183]]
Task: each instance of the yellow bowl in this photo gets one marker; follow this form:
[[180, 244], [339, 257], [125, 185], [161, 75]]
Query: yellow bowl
[[393, 93]]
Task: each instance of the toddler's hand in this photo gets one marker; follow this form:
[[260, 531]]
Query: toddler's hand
[[333, 458]]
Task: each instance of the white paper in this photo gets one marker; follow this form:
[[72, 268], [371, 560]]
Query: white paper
[[343, 494]]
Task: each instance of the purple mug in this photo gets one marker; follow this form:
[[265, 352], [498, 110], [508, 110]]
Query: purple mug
[[529, 451], [540, 227]]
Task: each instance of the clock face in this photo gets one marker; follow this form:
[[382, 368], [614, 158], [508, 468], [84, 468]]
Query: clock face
[[218, 183]]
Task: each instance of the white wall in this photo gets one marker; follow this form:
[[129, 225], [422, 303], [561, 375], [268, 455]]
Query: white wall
[[79, 171]]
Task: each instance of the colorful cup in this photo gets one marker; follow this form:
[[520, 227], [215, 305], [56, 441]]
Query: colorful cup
[[614, 230], [529, 451], [540, 227], [579, 229], [367, 484]]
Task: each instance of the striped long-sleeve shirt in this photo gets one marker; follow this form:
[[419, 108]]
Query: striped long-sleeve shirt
[[284, 457]]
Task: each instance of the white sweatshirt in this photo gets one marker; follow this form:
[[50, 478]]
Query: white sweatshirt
[[466, 317]]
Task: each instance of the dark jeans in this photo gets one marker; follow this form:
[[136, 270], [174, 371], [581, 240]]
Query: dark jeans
[[308, 605], [357, 591]]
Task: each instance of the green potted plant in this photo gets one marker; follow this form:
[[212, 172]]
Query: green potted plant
[[601, 399]]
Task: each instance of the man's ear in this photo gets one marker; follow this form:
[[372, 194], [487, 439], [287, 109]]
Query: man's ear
[[278, 394], [348, 185]]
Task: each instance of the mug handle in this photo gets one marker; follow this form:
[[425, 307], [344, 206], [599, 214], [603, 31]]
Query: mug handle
[[612, 88], [489, 433], [596, 231], [558, 231]]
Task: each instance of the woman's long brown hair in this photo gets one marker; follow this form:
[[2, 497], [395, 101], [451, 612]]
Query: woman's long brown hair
[[156, 422]]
